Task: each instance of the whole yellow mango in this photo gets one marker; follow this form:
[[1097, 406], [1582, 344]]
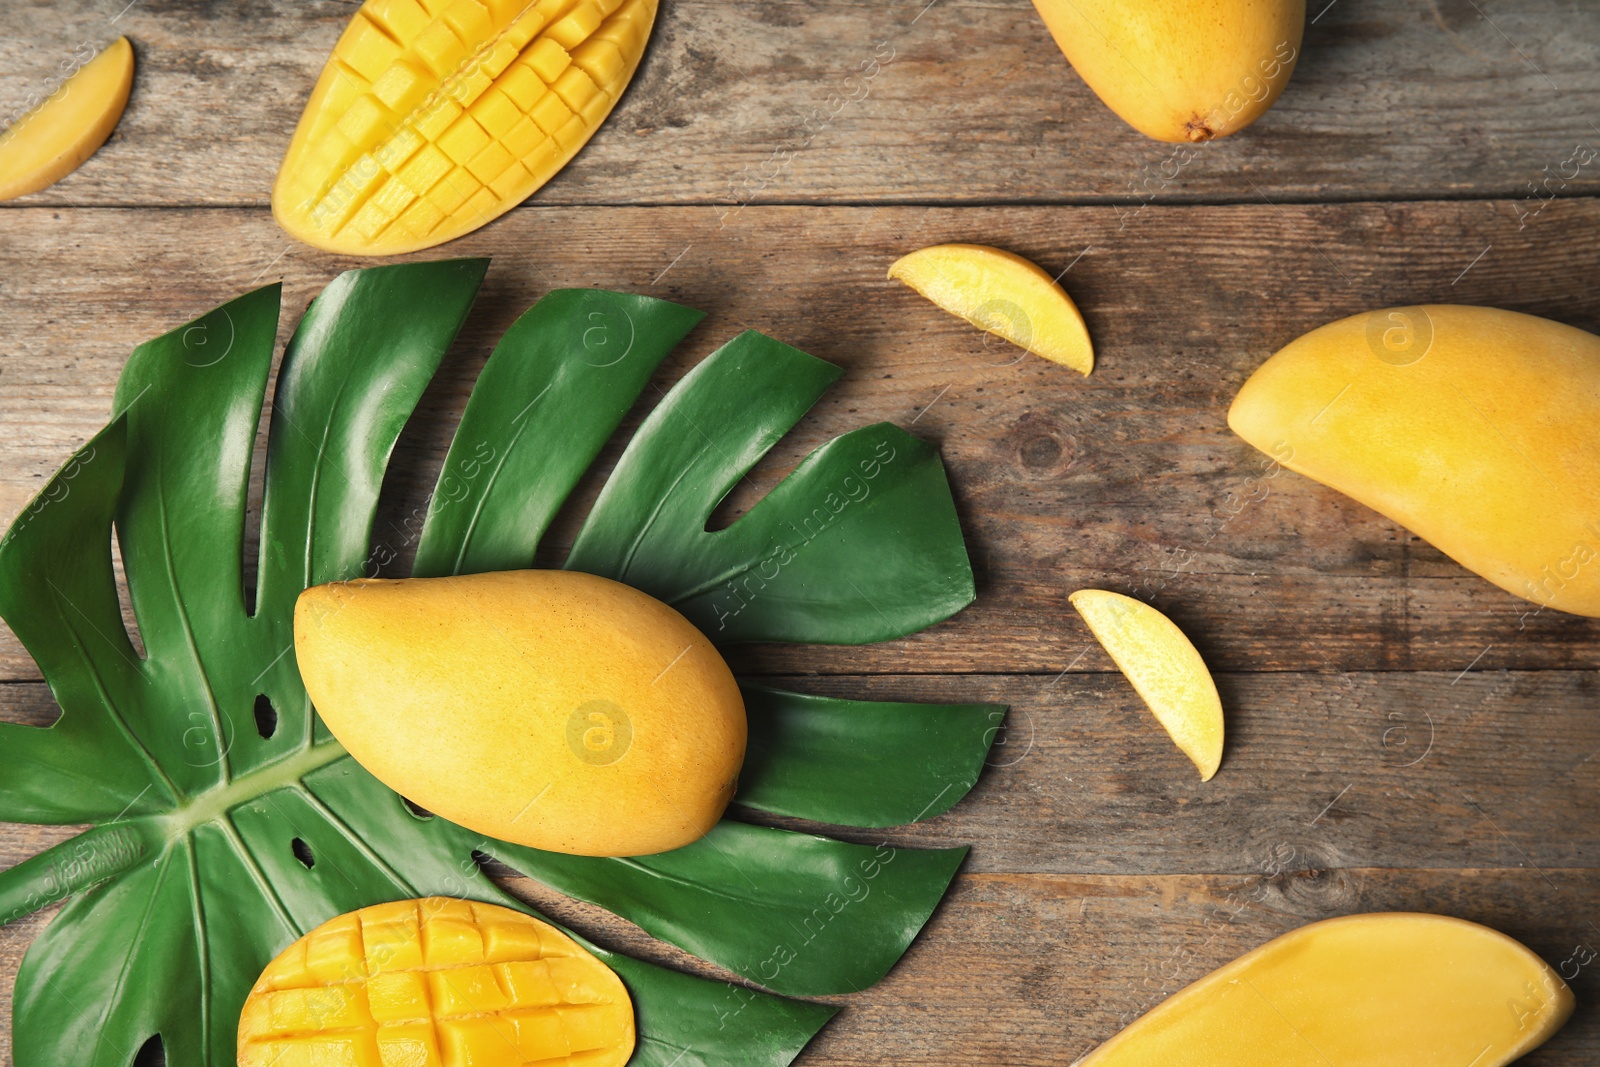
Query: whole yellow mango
[[1380, 990], [1477, 429], [1181, 70], [549, 708]]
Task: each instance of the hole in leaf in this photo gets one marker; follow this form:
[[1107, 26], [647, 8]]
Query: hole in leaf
[[302, 852], [153, 1053], [417, 810], [129, 622], [266, 716], [250, 543]]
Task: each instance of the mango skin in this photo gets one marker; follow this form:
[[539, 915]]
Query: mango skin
[[1475, 428], [552, 709], [1181, 70], [1377, 990]]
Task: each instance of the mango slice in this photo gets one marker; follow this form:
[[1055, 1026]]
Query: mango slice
[[555, 709], [1166, 671], [1377, 990], [54, 139], [436, 982], [435, 116], [1181, 70], [1003, 294], [1476, 429]]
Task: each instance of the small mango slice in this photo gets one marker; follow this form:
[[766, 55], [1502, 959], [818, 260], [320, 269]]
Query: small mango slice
[[55, 138], [1003, 294], [435, 116], [436, 982], [1373, 990], [1477, 429], [1166, 671]]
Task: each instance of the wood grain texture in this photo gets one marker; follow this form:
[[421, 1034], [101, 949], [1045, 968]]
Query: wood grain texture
[[1129, 479], [867, 100]]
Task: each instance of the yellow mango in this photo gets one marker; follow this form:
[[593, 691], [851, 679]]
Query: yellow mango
[[433, 117], [1378, 990], [1477, 429], [550, 708], [436, 982], [1181, 70], [55, 138], [1164, 668], [1003, 294]]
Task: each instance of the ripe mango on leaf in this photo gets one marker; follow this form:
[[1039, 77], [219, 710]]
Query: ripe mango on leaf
[[1387, 988], [1181, 70], [554, 709], [433, 117], [1476, 429]]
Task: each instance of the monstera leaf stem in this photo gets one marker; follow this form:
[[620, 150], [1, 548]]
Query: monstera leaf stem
[[77, 863]]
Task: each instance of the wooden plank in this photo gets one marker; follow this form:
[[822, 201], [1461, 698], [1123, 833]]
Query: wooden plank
[[1035, 970], [855, 100], [1129, 479], [1394, 769]]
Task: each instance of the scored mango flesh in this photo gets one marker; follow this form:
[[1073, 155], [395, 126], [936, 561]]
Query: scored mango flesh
[[436, 982], [435, 116]]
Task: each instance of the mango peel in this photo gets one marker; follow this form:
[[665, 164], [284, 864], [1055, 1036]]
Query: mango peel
[[1181, 70], [554, 709], [1382, 988], [1476, 429]]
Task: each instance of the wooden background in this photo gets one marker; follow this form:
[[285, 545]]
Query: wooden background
[[1401, 734]]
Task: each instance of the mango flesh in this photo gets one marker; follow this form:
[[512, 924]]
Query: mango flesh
[[1165, 669], [1181, 70], [433, 117], [55, 138], [1004, 294], [553, 709], [1376, 990], [1476, 429], [436, 982]]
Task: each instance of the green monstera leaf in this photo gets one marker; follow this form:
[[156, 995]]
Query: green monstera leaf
[[226, 821]]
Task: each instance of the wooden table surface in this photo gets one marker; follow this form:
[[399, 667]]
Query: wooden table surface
[[1401, 734]]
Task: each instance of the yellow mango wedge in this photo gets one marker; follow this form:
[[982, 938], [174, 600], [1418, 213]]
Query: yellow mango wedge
[[1166, 671], [55, 138], [1391, 989], [1476, 429], [1181, 70], [555, 709], [435, 116], [1003, 294], [436, 981]]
